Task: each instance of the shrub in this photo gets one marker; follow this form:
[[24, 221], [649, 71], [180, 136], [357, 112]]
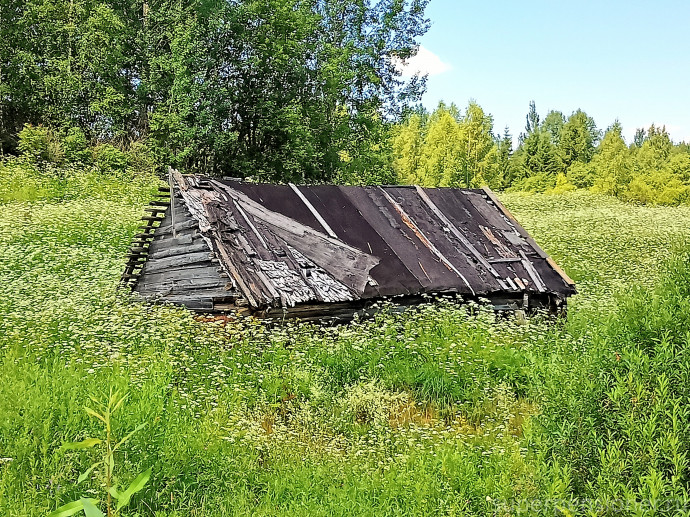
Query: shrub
[[76, 146], [38, 144], [562, 185], [660, 187], [616, 418], [110, 159], [580, 174], [140, 157], [540, 182], [368, 402]]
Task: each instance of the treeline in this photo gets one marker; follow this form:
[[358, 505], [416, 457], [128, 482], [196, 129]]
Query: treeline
[[453, 147], [298, 90]]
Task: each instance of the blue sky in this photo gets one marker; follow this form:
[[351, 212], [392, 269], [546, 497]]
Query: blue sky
[[625, 60]]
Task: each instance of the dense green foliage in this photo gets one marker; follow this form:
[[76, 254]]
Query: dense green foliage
[[289, 89], [452, 148], [443, 409]]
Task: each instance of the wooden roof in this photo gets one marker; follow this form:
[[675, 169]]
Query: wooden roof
[[267, 247]]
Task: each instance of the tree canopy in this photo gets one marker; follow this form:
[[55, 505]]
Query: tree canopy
[[449, 147], [290, 89]]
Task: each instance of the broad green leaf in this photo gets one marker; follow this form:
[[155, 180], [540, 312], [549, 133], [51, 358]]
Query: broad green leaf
[[113, 492], [114, 399], [138, 428], [94, 414], [119, 403], [71, 508], [86, 473], [90, 510], [68, 509], [136, 485], [84, 444]]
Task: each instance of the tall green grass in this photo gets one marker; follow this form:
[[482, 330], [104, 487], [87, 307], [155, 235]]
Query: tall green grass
[[443, 409], [614, 423]]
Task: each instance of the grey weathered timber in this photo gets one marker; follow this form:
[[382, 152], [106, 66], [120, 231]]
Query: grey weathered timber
[[180, 270]]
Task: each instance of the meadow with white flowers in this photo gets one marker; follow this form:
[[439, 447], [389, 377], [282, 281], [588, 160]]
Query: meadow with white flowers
[[443, 410]]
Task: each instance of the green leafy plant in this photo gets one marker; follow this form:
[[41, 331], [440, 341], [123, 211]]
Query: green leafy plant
[[38, 144], [105, 467]]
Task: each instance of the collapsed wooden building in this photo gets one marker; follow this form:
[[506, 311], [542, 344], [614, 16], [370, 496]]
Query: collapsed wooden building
[[325, 251]]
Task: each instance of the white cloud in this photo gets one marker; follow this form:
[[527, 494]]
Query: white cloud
[[424, 62]]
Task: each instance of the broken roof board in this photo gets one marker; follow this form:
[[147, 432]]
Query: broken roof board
[[282, 246]]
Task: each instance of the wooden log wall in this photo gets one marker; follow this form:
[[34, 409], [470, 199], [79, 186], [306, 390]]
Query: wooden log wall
[[181, 268]]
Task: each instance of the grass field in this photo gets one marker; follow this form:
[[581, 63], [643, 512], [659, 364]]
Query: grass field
[[442, 410]]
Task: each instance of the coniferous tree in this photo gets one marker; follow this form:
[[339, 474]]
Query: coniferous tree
[[578, 139], [504, 154], [553, 125]]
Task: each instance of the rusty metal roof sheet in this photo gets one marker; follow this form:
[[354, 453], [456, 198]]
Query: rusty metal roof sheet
[[287, 245]]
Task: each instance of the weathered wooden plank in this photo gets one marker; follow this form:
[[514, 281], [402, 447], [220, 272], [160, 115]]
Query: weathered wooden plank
[[179, 179], [181, 241], [529, 239], [407, 220], [313, 210], [210, 292], [251, 225], [504, 260], [178, 282], [491, 214], [155, 209], [176, 261], [252, 297], [457, 233], [172, 251], [500, 247], [180, 226], [532, 272]]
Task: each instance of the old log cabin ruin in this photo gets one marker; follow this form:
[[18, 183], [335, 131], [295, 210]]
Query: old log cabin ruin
[[325, 251]]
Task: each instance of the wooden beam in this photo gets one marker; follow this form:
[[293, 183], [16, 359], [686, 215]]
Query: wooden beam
[[532, 272], [411, 224], [454, 230], [526, 236], [313, 210], [236, 276]]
